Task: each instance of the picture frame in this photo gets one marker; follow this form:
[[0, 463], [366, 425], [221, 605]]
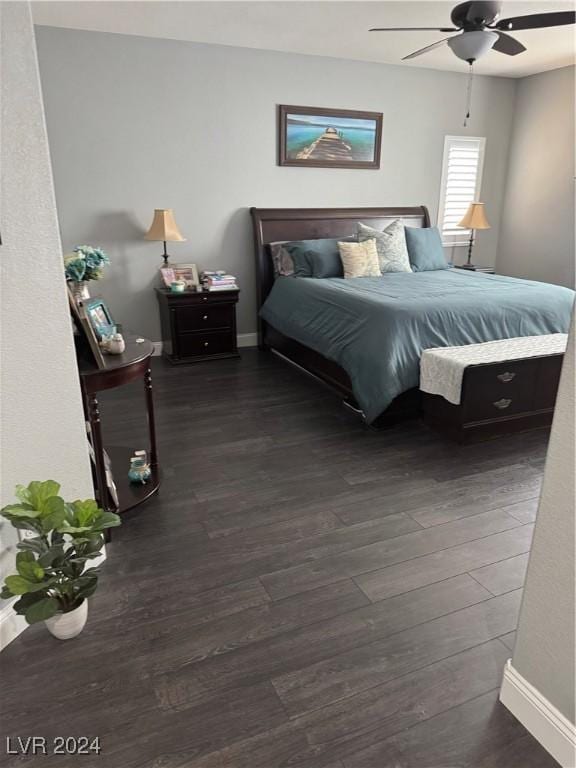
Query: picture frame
[[188, 273], [167, 276], [99, 317], [85, 329], [317, 137]]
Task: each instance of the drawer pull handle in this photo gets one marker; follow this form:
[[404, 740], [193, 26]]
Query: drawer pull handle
[[503, 403], [205, 343], [506, 377]]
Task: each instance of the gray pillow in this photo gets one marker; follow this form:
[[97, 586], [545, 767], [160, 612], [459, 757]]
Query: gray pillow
[[281, 259], [390, 244]]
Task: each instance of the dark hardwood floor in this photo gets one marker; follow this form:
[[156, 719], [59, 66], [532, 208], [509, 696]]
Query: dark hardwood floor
[[304, 592]]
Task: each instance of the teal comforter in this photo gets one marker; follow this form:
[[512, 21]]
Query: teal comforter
[[376, 328]]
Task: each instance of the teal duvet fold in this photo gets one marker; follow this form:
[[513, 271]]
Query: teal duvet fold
[[376, 328]]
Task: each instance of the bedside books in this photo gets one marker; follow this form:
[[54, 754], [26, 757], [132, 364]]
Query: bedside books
[[218, 281]]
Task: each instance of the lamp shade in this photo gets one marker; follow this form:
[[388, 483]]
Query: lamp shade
[[164, 227], [469, 46], [475, 218]]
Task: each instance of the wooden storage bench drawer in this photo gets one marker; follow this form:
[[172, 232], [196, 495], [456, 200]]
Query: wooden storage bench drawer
[[497, 399]]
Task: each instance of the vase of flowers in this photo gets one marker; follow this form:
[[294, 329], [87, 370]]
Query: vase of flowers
[[83, 264], [54, 580]]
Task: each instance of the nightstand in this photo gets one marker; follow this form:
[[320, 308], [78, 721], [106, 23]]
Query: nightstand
[[198, 326], [476, 268]]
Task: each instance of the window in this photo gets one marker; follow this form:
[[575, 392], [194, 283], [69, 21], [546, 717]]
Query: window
[[461, 182]]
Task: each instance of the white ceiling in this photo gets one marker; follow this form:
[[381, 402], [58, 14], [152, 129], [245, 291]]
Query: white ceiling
[[321, 28]]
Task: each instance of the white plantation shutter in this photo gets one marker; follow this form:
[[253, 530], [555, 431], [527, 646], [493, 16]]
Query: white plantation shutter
[[461, 181]]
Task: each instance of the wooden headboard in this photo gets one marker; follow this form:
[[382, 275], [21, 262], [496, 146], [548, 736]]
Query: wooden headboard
[[274, 224]]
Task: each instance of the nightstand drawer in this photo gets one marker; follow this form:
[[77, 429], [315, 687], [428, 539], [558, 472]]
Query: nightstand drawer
[[202, 298], [206, 317], [201, 344]]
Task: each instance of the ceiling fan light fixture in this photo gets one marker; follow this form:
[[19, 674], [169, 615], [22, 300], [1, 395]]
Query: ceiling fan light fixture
[[470, 46]]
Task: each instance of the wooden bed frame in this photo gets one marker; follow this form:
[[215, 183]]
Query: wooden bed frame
[[277, 224]]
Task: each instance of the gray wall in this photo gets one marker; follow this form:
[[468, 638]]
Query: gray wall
[[537, 231], [545, 642], [136, 124], [42, 422]]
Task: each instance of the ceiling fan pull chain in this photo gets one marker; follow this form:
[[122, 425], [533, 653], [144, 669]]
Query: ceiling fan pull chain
[[469, 94]]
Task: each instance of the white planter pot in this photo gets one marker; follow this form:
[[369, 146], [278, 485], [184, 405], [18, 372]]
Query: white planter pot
[[65, 626], [81, 292]]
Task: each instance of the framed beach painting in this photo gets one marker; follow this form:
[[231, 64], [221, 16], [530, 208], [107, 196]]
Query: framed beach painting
[[329, 138]]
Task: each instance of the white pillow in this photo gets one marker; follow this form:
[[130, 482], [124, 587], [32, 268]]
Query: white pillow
[[390, 244]]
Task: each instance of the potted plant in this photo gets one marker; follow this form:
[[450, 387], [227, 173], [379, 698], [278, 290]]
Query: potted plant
[[83, 264], [53, 581]]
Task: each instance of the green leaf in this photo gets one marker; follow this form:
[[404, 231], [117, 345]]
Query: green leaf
[[27, 566], [51, 556], [54, 519], [67, 528], [53, 513], [5, 593], [40, 492], [107, 520], [85, 512], [88, 588], [21, 493], [42, 610], [22, 605], [18, 585], [19, 510]]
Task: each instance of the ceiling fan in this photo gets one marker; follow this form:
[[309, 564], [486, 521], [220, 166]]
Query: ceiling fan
[[480, 29]]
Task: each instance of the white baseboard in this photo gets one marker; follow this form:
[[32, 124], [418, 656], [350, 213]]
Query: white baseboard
[[243, 339], [11, 625], [549, 726], [247, 339]]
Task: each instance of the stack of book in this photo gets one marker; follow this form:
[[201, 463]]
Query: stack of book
[[218, 281]]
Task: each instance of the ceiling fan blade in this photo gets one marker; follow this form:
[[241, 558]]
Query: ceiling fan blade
[[537, 21], [420, 51], [508, 45], [412, 29]]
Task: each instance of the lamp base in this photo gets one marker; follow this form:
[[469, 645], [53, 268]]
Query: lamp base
[[165, 255], [467, 266]]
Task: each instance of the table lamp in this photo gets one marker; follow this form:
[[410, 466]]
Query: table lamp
[[474, 218], [164, 229]]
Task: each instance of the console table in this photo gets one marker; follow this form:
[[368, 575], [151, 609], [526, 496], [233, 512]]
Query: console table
[[133, 364]]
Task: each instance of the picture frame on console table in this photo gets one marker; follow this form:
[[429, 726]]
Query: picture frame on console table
[[99, 317], [316, 137], [86, 332]]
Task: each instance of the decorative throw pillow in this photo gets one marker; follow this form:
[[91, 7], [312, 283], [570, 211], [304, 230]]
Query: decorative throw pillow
[[321, 257], [298, 252], [281, 260], [425, 249], [390, 244], [360, 259]]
